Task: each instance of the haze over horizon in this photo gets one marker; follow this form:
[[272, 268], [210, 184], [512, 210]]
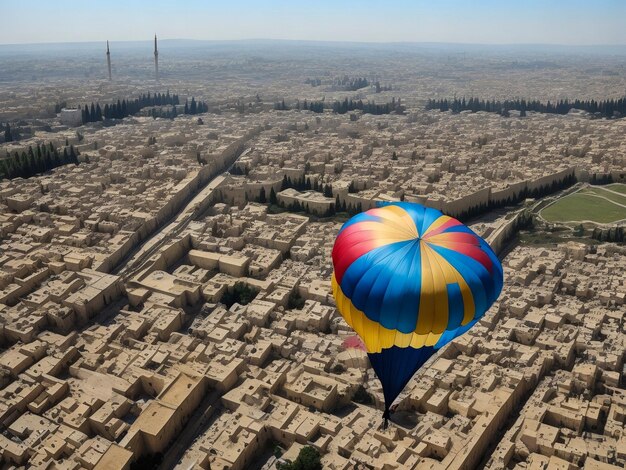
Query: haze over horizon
[[488, 22]]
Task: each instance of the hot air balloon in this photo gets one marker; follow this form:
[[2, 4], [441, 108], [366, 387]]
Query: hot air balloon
[[408, 280]]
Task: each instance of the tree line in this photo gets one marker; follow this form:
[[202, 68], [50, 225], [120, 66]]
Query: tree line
[[315, 106], [304, 184], [351, 84], [191, 107], [125, 108], [194, 107], [36, 160], [607, 108], [342, 107]]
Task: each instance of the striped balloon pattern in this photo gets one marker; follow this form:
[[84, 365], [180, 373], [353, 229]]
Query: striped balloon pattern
[[408, 280]]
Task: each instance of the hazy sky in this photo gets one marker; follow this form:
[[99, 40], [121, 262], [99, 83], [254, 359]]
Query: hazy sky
[[579, 22]]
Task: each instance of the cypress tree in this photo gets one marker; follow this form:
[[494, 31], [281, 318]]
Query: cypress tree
[[273, 198], [39, 163], [32, 164], [56, 159], [47, 160], [23, 167], [11, 169], [73, 157]]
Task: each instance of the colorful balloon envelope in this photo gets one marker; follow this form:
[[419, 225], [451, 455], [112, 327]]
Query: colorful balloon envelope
[[408, 280]]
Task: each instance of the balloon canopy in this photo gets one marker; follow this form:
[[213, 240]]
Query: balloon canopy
[[408, 280]]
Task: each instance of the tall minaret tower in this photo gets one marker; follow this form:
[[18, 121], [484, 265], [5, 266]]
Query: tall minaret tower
[[156, 60], [109, 60]]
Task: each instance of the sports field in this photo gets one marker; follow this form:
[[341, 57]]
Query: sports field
[[599, 204]]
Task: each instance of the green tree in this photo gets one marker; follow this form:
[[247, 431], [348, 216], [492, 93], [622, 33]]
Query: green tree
[[32, 163], [262, 198], [308, 459], [273, 198], [579, 231], [73, 157], [241, 293]]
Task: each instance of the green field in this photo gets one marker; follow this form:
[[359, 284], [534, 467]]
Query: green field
[[613, 195], [590, 204], [617, 187]]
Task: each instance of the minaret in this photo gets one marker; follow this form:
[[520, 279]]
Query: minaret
[[156, 60], [109, 60]]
